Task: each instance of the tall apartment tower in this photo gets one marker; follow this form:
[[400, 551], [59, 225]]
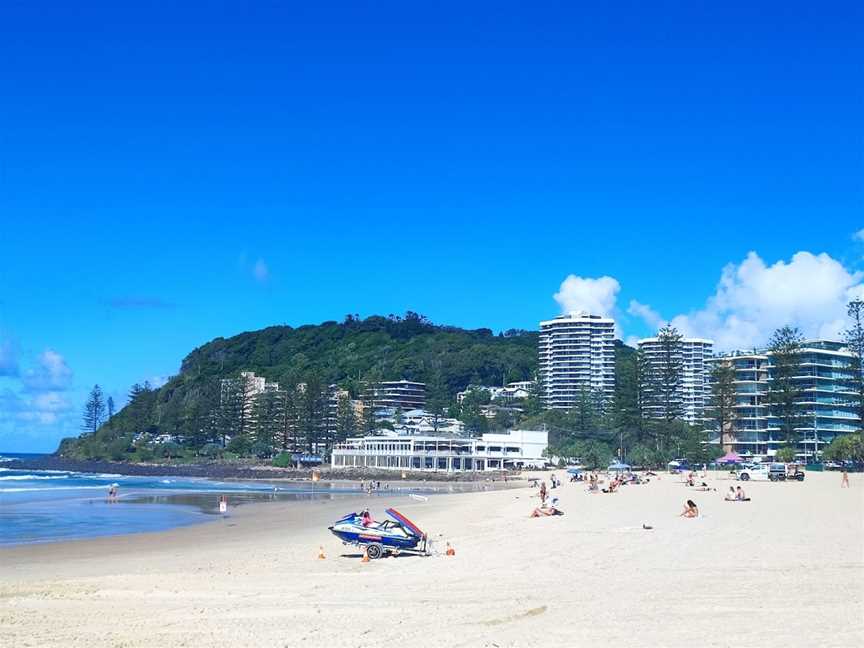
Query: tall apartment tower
[[826, 394], [577, 353], [694, 393]]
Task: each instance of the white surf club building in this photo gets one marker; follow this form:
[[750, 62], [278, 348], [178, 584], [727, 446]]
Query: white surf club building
[[493, 451]]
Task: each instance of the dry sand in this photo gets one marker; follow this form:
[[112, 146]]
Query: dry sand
[[786, 569]]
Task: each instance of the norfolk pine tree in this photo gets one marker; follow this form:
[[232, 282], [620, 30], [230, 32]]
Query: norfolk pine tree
[[854, 338], [783, 392], [94, 410]]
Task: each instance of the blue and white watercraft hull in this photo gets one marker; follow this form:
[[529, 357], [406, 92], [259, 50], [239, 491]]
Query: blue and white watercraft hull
[[397, 534]]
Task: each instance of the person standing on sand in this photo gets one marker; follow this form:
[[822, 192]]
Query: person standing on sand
[[542, 492], [844, 482]]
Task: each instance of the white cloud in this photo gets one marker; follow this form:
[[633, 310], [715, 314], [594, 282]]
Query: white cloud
[[753, 299], [157, 381], [260, 271], [50, 374], [859, 235], [44, 408], [632, 341], [651, 317], [597, 296]]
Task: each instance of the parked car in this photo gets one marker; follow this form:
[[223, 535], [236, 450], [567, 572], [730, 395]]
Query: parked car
[[756, 472], [777, 472]]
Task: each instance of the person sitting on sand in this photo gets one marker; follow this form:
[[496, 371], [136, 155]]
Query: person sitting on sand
[[731, 496], [690, 510], [612, 486], [740, 496], [547, 509]]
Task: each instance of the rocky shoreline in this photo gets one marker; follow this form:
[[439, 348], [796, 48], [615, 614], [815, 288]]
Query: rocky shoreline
[[221, 470]]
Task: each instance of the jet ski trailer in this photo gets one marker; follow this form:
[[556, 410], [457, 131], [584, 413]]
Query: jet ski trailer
[[399, 535]]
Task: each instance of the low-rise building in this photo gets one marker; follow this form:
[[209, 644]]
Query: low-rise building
[[513, 391], [397, 394], [510, 450]]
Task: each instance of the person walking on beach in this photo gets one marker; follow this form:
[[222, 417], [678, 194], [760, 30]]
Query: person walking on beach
[[542, 492], [844, 482]]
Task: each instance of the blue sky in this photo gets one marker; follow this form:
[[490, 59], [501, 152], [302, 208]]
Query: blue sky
[[172, 175]]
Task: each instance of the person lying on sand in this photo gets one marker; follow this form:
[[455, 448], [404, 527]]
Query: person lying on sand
[[690, 510], [547, 509], [703, 487]]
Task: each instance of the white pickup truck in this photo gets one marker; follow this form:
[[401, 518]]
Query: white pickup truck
[[755, 472], [770, 472]]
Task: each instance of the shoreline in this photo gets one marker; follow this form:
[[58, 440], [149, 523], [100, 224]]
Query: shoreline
[[202, 505]]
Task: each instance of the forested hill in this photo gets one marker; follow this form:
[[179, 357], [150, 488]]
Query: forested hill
[[377, 348]]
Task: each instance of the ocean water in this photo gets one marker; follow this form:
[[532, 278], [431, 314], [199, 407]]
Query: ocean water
[[49, 506]]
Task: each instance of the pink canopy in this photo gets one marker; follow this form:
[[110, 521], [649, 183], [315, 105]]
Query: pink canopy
[[730, 457]]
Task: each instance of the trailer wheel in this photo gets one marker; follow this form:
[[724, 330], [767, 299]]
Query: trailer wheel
[[374, 551]]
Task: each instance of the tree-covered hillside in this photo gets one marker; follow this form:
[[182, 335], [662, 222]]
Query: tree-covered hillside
[[349, 353]]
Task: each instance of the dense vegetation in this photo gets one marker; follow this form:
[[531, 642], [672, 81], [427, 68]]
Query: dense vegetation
[[349, 354], [190, 408]]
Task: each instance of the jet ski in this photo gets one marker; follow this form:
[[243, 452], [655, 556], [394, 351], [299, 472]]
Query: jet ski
[[396, 535]]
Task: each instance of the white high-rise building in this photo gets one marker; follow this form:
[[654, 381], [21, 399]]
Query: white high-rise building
[[694, 393], [577, 353], [825, 400]]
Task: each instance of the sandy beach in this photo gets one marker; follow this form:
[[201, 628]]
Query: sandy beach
[[786, 569]]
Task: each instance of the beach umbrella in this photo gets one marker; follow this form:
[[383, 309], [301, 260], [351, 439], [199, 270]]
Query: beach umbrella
[[730, 458], [618, 467]]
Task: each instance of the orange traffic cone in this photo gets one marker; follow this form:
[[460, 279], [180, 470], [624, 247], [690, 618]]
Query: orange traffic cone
[[321, 555], [365, 555], [450, 550]]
